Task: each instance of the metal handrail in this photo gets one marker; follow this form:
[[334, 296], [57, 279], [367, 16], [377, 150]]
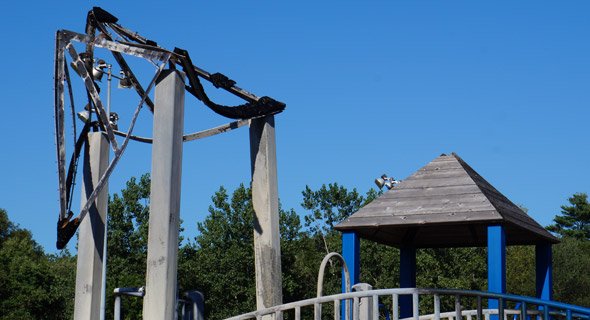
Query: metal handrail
[[191, 305], [320, 287], [563, 310], [132, 291]]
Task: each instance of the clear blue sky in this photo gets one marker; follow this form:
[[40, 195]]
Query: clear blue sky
[[371, 88]]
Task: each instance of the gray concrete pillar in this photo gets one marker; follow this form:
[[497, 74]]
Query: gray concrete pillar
[[160, 298], [91, 231], [267, 250]]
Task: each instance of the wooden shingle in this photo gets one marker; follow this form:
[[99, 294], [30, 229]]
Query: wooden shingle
[[444, 204]]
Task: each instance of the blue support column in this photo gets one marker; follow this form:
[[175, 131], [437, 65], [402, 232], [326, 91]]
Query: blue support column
[[496, 263], [544, 271], [407, 278], [352, 255]]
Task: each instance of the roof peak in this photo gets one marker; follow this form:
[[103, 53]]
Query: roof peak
[[446, 192]]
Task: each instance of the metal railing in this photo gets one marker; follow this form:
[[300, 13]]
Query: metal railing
[[529, 308], [191, 304]]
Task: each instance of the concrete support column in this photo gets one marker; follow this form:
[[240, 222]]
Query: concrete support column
[[160, 299], [407, 278], [544, 271], [496, 262], [265, 200], [91, 231]]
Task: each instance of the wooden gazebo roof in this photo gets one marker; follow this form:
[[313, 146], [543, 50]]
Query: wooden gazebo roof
[[444, 204]]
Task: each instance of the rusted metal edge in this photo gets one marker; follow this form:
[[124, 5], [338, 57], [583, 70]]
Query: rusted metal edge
[[193, 136], [248, 96], [104, 43], [59, 122], [132, 137], [153, 53], [217, 130], [118, 154], [116, 49], [89, 83]]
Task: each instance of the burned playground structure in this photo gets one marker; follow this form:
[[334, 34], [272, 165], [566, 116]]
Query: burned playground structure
[[444, 204], [100, 128]]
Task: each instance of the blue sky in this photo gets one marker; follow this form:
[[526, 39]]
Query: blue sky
[[371, 88]]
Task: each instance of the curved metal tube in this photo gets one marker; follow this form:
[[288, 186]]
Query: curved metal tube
[[320, 288], [323, 267]]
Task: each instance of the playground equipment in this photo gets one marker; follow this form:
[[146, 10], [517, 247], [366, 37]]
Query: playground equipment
[[100, 128], [446, 203]]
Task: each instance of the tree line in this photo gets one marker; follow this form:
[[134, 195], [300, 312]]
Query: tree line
[[219, 261]]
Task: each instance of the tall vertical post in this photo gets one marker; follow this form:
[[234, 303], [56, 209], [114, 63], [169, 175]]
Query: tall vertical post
[[162, 256], [351, 253], [87, 298], [265, 200], [496, 262], [544, 271], [407, 277]]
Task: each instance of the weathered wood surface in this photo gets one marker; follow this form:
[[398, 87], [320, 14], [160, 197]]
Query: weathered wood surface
[[449, 196], [422, 219]]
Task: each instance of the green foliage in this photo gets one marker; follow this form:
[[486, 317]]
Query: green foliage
[[31, 286], [220, 263], [574, 220], [220, 260], [461, 268], [127, 243], [520, 270], [329, 205], [571, 271], [326, 207]]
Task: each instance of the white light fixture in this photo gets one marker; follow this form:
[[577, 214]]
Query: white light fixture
[[124, 82], [98, 70], [386, 181], [84, 116]]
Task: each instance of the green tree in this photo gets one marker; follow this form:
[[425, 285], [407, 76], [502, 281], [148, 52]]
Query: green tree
[[571, 271], [30, 286], [127, 243], [574, 220], [326, 207], [220, 262]]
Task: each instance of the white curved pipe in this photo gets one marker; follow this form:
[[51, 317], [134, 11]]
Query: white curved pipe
[[318, 307]]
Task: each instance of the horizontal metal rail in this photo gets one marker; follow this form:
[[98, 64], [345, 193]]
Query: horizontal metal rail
[[531, 307], [191, 305]]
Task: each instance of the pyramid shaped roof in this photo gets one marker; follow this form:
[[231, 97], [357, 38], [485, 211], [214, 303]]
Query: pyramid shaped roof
[[444, 204]]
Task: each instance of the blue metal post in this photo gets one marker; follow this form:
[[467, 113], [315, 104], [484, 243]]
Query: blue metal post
[[544, 271], [496, 263], [352, 256], [407, 278]]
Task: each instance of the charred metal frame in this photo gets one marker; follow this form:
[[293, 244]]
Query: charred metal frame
[[100, 27]]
